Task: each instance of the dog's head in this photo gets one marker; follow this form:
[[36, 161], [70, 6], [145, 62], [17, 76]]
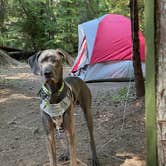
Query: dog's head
[[48, 64]]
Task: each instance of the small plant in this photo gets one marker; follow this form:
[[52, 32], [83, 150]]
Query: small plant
[[123, 94], [120, 96]]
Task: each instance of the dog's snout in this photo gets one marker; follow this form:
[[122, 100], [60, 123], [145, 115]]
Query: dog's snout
[[47, 73]]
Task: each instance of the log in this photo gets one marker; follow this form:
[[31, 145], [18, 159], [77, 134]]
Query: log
[[8, 49], [17, 53], [20, 55]]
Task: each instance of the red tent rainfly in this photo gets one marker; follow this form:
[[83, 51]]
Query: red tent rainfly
[[105, 49]]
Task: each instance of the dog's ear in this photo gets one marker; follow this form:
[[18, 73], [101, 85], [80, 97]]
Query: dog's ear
[[33, 62], [65, 55]]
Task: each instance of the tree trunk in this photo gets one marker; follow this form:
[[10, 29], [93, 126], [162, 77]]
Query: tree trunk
[[3, 14], [150, 95], [139, 80], [161, 80]]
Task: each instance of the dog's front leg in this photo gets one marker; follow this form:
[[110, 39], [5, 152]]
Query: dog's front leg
[[51, 147], [70, 132], [49, 129]]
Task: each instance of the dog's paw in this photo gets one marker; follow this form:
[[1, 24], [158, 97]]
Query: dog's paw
[[64, 157], [95, 162]]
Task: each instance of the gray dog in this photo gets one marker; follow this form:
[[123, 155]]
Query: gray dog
[[58, 98]]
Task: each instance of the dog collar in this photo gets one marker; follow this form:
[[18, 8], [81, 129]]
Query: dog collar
[[61, 89], [45, 93]]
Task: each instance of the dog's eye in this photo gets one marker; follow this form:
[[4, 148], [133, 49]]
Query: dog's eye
[[55, 62], [52, 59]]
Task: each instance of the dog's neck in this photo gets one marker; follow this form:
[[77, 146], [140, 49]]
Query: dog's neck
[[58, 91]]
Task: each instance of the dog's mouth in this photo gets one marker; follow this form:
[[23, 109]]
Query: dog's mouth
[[50, 80], [48, 76]]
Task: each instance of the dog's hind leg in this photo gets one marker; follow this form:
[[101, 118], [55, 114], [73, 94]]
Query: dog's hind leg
[[86, 107], [49, 129]]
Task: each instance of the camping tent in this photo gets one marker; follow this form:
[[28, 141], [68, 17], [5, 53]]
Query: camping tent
[[105, 49]]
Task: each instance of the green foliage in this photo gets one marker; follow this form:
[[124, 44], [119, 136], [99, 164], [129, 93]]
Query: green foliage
[[120, 7], [123, 95], [37, 23], [67, 21], [41, 24]]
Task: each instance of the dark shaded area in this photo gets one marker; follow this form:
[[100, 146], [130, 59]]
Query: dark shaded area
[[17, 53]]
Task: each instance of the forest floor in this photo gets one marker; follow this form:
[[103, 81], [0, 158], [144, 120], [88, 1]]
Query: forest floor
[[119, 133]]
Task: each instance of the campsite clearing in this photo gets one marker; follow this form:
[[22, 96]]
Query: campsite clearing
[[22, 139]]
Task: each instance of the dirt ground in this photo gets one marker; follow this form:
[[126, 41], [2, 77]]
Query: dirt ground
[[119, 133]]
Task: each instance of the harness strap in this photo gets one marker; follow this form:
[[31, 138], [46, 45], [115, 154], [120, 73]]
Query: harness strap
[[56, 111], [61, 89], [48, 92]]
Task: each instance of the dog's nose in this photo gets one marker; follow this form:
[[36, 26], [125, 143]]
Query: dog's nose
[[47, 73]]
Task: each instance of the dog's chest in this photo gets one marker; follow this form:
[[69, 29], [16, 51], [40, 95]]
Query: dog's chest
[[56, 110]]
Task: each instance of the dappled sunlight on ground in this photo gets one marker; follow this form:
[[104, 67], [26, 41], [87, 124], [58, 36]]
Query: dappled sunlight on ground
[[23, 72], [22, 76], [135, 161], [16, 74], [16, 96]]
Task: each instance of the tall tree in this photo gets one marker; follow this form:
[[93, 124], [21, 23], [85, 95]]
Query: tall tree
[[160, 35], [139, 80], [150, 95]]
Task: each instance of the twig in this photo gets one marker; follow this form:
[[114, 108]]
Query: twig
[[68, 162], [64, 163], [102, 147], [82, 163], [114, 157]]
